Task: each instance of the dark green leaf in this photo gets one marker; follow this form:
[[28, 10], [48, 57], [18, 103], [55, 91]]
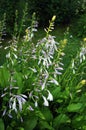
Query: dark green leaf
[[4, 77], [44, 125], [47, 114], [18, 78], [62, 118], [56, 92], [30, 123], [40, 115], [1, 124]]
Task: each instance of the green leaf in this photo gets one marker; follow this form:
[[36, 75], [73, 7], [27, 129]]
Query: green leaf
[[62, 118], [56, 92], [1, 124], [4, 77], [40, 115], [74, 107], [18, 78], [47, 114], [30, 123], [78, 121], [20, 128], [9, 128], [44, 125]]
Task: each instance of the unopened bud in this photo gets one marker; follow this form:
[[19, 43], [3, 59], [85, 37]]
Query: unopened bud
[[83, 82], [53, 18]]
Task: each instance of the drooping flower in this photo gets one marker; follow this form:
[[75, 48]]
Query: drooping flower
[[36, 104], [46, 103], [54, 81], [17, 99], [50, 97]]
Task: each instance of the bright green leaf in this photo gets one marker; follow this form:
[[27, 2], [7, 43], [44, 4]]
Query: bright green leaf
[[74, 107]]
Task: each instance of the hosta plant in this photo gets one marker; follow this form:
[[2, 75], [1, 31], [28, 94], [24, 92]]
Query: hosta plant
[[34, 93]]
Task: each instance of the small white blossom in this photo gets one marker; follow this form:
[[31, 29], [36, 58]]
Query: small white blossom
[[36, 104], [30, 108], [45, 101], [20, 99], [33, 69], [8, 55], [54, 81], [50, 97]]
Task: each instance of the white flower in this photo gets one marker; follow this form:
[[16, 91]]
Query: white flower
[[15, 55], [71, 36], [82, 54], [50, 97], [33, 69], [43, 85], [36, 103], [30, 108], [8, 55], [17, 99], [73, 64], [14, 105], [54, 81], [45, 101]]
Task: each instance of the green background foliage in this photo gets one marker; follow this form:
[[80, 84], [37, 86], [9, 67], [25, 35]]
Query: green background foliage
[[65, 10]]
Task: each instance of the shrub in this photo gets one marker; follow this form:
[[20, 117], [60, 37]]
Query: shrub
[[80, 26], [64, 10], [33, 89]]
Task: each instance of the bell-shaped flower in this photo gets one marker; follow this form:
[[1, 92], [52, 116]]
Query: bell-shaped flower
[[46, 103], [50, 96]]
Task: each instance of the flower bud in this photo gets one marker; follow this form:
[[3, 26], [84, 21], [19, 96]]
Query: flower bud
[[53, 18]]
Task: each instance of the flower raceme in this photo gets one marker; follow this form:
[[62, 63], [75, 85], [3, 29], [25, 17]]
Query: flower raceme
[[37, 75]]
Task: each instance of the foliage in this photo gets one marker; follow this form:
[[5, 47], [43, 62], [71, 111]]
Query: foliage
[[9, 8], [34, 93], [80, 26], [64, 10]]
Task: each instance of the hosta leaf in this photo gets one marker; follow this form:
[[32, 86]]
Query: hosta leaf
[[40, 115], [56, 92], [4, 77], [78, 121], [62, 118], [18, 78], [44, 125], [1, 124], [74, 107], [21, 128], [9, 128], [47, 114], [30, 123]]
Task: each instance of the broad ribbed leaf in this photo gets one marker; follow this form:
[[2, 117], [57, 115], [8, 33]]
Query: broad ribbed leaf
[[44, 125], [30, 123], [1, 124], [47, 114], [56, 92], [62, 118], [4, 77], [74, 107]]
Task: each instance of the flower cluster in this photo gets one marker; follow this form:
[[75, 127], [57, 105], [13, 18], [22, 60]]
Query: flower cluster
[[32, 69]]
